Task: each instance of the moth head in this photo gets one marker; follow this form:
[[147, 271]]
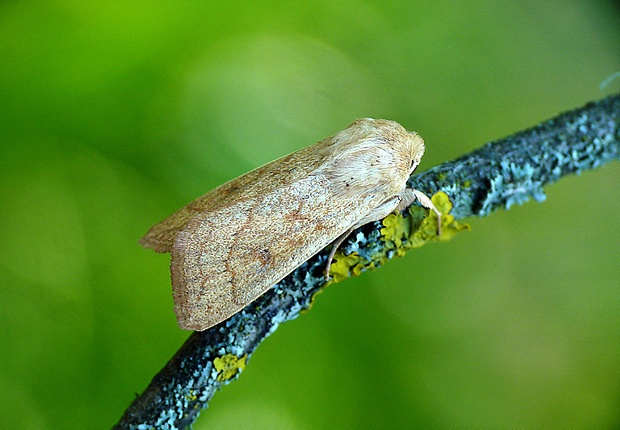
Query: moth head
[[414, 149], [374, 155]]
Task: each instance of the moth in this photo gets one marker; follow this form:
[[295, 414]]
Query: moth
[[234, 243]]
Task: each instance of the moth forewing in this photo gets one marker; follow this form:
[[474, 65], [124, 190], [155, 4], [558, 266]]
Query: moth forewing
[[231, 245], [260, 181], [217, 271]]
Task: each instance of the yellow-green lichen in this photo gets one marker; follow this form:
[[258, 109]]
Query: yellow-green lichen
[[313, 298], [191, 396], [227, 366], [398, 235], [344, 266], [420, 227]]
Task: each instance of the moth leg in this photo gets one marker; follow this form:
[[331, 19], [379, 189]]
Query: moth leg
[[335, 247], [381, 211], [409, 195]]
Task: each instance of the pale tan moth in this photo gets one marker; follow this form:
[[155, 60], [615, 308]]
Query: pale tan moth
[[234, 243]]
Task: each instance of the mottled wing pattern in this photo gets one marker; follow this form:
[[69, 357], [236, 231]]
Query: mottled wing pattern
[[253, 184], [217, 271]]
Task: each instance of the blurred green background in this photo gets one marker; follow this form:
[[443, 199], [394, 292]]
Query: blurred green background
[[115, 114]]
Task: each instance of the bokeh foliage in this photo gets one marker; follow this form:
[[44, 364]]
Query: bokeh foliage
[[112, 115]]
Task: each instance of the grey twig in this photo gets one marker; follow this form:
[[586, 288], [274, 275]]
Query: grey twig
[[497, 175]]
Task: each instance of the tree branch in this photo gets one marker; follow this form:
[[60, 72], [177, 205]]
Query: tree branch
[[497, 175]]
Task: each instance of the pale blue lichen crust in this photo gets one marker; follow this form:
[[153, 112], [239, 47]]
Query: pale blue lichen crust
[[515, 168], [513, 184]]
